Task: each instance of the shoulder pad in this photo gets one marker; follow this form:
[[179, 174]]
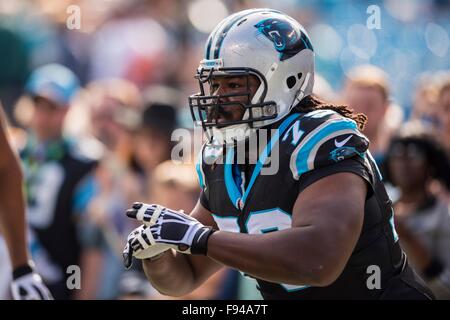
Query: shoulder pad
[[321, 138]]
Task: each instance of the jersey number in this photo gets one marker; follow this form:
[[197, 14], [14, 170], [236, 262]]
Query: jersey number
[[258, 222]]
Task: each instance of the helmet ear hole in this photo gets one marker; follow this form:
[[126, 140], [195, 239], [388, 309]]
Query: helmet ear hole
[[299, 75], [291, 81]]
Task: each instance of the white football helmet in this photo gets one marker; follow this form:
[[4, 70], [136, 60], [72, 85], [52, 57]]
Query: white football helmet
[[265, 43]]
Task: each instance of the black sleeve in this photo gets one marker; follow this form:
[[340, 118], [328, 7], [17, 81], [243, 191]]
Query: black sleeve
[[204, 200], [353, 165]]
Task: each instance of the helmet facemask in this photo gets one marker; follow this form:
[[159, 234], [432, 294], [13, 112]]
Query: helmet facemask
[[206, 108]]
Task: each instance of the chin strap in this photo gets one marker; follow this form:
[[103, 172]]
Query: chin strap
[[301, 94]]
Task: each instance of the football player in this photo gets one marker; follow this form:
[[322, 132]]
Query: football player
[[27, 284], [321, 227]]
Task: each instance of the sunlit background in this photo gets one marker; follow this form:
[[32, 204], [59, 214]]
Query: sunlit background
[[130, 54], [161, 41]]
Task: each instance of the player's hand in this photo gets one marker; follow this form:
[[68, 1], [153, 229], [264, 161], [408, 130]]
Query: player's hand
[[139, 246], [28, 285], [173, 228]]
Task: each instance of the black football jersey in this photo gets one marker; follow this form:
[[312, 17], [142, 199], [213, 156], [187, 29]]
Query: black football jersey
[[52, 176], [305, 148]]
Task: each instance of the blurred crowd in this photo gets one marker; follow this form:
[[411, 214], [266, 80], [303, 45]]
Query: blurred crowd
[[92, 111]]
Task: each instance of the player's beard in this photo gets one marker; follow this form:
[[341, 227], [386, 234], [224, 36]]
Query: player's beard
[[219, 113]]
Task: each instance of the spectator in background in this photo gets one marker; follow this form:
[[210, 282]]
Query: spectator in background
[[26, 283], [422, 220], [425, 108], [152, 143], [121, 47], [432, 114], [13, 65], [114, 115], [54, 168], [444, 113], [367, 91], [152, 146]]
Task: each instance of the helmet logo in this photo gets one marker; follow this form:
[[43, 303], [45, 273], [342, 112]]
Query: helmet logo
[[286, 37]]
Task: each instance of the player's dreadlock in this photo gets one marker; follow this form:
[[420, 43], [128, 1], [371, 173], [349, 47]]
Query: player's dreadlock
[[312, 103]]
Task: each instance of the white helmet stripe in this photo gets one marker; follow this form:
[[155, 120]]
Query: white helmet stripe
[[218, 30], [212, 38], [230, 22]]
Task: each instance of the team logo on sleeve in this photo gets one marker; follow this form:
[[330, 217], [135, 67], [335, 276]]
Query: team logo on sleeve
[[287, 38], [344, 152]]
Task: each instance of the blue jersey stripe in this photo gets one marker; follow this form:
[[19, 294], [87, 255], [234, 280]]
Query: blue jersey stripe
[[199, 174], [230, 184], [305, 150], [198, 168], [262, 158]]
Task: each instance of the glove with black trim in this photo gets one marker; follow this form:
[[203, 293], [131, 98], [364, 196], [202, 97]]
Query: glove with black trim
[[28, 285], [173, 228], [139, 247]]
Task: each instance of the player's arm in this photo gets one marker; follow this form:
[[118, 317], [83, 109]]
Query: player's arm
[[177, 274], [26, 283], [12, 210], [327, 221], [327, 216]]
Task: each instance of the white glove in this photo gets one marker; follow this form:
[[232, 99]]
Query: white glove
[[141, 249], [28, 285], [172, 228]]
